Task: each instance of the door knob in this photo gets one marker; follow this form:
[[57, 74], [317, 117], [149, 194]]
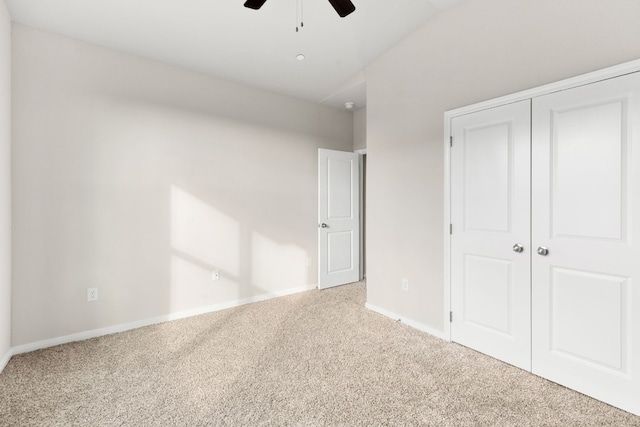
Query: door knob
[[518, 248], [323, 225], [543, 251]]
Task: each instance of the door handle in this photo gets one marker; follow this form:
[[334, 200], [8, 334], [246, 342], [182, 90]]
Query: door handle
[[323, 225], [518, 248], [543, 251]]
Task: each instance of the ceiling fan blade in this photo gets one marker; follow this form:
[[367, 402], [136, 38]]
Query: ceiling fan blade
[[343, 7], [254, 4]]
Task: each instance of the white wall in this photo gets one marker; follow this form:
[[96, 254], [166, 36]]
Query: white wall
[[5, 184], [478, 50], [140, 178], [360, 129]]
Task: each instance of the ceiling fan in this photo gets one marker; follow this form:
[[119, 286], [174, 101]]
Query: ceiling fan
[[343, 7]]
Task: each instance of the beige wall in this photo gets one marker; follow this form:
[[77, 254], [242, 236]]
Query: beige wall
[[5, 184], [476, 51], [360, 129], [139, 178]]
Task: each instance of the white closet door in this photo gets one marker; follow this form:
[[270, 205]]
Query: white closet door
[[585, 196], [490, 206]]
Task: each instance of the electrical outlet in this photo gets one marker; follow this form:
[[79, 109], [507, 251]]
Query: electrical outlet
[[92, 294], [309, 262], [215, 275], [405, 285]]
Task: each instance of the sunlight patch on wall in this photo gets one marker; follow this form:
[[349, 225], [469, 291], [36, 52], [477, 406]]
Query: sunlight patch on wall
[[203, 239], [192, 287], [275, 265], [190, 284], [203, 233]]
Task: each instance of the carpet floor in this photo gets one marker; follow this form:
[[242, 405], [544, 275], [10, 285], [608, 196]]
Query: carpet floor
[[318, 358]]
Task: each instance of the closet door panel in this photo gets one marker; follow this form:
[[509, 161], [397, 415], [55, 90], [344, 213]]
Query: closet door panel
[[585, 193], [490, 283], [588, 171]]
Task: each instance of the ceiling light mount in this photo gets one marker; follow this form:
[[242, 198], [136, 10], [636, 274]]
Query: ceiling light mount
[[349, 105], [300, 57]]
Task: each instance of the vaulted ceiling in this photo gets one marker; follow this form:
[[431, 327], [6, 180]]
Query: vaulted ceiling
[[257, 48]]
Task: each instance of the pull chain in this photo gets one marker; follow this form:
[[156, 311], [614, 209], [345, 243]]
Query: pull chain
[[299, 14]]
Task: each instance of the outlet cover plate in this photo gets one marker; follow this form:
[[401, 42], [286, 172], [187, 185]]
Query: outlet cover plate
[[92, 294]]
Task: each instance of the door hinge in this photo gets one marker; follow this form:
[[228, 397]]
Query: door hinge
[[450, 228], [451, 141], [451, 317]]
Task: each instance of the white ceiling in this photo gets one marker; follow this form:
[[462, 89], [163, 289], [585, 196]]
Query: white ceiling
[[227, 40]]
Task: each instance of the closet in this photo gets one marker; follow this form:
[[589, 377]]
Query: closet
[[543, 256]]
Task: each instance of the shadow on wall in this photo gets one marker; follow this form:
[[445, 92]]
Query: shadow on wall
[[141, 179], [204, 239], [241, 201], [144, 201]]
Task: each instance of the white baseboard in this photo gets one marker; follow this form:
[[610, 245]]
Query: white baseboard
[[419, 326], [5, 360], [81, 336]]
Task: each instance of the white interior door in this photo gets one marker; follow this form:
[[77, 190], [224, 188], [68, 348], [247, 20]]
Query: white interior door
[[338, 218], [490, 215], [586, 195]]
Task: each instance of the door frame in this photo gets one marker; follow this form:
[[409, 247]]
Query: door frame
[[362, 152], [584, 79]]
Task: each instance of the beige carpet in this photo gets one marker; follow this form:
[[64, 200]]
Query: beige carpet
[[311, 359]]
